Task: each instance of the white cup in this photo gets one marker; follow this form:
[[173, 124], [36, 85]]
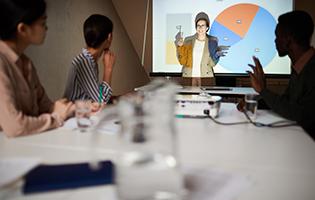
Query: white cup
[[215, 104], [251, 105]]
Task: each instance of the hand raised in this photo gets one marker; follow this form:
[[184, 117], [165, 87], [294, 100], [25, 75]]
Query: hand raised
[[109, 59], [179, 41], [257, 76]]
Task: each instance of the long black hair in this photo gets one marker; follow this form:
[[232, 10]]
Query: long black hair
[[13, 12]]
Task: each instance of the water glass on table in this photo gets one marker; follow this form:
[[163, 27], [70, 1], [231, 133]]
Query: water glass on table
[[146, 165], [82, 114], [251, 105]]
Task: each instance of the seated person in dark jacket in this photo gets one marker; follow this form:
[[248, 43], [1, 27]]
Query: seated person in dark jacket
[[293, 37]]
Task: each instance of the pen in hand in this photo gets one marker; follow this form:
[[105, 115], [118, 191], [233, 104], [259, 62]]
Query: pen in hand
[[100, 96]]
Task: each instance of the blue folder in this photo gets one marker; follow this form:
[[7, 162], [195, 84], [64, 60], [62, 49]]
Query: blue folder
[[46, 178]]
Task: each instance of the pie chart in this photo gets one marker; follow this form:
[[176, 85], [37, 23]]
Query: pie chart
[[249, 31]]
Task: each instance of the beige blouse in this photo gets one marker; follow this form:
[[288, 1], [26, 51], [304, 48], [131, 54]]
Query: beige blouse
[[24, 106]]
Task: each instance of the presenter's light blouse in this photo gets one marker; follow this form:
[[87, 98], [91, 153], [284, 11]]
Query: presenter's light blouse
[[24, 106], [83, 82]]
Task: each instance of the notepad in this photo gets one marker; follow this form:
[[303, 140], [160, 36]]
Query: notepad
[[46, 178]]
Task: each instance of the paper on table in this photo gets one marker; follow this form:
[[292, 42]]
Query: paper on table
[[110, 126], [70, 124], [11, 169], [209, 184]]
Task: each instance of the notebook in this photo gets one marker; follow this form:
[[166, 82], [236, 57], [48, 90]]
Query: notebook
[[46, 178]]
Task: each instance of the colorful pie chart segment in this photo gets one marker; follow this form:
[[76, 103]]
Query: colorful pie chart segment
[[249, 31]]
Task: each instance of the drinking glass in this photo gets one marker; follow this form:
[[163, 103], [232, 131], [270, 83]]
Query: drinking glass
[[82, 114], [251, 105], [147, 167]]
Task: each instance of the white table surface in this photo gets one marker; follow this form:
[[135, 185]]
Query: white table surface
[[197, 90], [280, 162], [232, 91]]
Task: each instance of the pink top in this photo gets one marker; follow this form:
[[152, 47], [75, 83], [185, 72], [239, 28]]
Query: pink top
[[24, 106]]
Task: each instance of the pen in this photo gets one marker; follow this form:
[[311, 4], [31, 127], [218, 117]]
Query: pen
[[100, 96]]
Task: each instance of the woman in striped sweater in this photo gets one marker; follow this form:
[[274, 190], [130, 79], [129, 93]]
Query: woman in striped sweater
[[83, 82]]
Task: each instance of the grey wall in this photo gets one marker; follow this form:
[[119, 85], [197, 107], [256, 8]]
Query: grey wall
[[132, 14], [65, 40], [308, 6]]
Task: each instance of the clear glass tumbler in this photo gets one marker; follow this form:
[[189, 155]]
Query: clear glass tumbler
[[148, 165], [82, 114], [251, 105]]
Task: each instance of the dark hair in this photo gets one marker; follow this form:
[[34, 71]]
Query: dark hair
[[299, 25], [202, 16], [13, 12], [96, 29], [207, 22]]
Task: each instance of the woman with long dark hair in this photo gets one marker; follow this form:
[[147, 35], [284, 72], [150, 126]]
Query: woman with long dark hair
[[24, 106]]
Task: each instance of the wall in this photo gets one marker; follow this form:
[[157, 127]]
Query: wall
[[308, 6], [65, 40], [133, 15]]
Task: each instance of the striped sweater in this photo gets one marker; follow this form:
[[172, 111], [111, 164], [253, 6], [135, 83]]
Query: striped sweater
[[83, 82]]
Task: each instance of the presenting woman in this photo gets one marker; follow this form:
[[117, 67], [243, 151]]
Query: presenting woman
[[199, 53]]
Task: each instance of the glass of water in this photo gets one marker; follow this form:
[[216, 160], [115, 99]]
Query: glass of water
[[251, 105], [147, 166], [82, 114]]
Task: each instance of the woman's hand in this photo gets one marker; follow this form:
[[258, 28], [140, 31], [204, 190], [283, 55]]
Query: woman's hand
[[109, 61], [63, 109], [96, 107], [179, 41]]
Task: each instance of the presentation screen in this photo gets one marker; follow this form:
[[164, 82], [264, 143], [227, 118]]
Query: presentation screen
[[248, 27]]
